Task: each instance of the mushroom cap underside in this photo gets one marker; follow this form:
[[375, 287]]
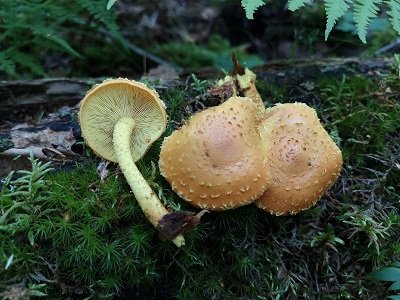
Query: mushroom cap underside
[[216, 160], [105, 104], [304, 160]]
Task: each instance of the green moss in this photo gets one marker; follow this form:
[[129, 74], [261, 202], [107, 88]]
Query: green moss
[[90, 237], [272, 93], [356, 107]]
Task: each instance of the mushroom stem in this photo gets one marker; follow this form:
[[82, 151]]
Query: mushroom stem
[[147, 199], [247, 85]]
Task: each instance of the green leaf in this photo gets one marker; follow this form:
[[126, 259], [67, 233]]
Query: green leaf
[[56, 39], [394, 14], [296, 4], [31, 238], [394, 297], [110, 3], [37, 293], [335, 9], [7, 65], [36, 290], [9, 261], [250, 6], [387, 274], [364, 12], [395, 286]]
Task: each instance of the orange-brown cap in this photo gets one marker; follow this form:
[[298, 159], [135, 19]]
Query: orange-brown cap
[[107, 102], [304, 160], [217, 160]]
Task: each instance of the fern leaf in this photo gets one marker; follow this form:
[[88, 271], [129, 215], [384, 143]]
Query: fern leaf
[[296, 4], [28, 61], [110, 4], [364, 12], [394, 14], [55, 38], [335, 9], [250, 6], [7, 65], [106, 17]]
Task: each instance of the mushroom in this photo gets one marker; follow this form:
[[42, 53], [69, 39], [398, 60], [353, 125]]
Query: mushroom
[[120, 119], [303, 158], [217, 160]]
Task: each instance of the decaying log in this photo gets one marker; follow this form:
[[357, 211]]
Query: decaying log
[[292, 73], [56, 137], [22, 98], [29, 97]]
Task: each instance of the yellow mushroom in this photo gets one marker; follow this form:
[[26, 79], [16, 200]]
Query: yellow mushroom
[[303, 158], [217, 161], [120, 119]]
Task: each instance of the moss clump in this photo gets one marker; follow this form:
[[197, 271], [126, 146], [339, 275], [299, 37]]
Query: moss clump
[[80, 236]]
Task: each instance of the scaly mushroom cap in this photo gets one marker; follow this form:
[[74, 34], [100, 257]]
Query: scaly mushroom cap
[[304, 160], [107, 102], [217, 160]]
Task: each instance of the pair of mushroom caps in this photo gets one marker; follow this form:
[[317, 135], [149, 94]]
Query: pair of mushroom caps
[[224, 157], [236, 153]]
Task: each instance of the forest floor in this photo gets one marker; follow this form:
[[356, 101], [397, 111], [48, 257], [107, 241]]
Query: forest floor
[[67, 232]]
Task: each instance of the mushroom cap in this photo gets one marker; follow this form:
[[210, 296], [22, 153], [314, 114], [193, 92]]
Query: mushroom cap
[[304, 160], [217, 160], [106, 103]]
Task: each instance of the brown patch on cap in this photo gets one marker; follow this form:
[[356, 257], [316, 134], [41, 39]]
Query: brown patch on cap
[[304, 160], [217, 160]]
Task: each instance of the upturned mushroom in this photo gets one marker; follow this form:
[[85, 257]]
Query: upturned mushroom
[[120, 119], [303, 158], [217, 160]]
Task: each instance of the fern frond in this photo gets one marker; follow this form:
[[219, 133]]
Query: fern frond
[[110, 4], [364, 12], [296, 4], [335, 9], [250, 6], [27, 61], [106, 17], [7, 65], [394, 14], [55, 38], [100, 14]]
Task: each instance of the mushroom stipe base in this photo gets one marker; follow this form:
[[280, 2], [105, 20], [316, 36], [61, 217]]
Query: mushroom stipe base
[[147, 199]]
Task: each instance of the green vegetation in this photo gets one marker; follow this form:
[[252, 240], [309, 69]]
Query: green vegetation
[[217, 53], [392, 274], [364, 12], [66, 233], [78, 38], [34, 31]]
